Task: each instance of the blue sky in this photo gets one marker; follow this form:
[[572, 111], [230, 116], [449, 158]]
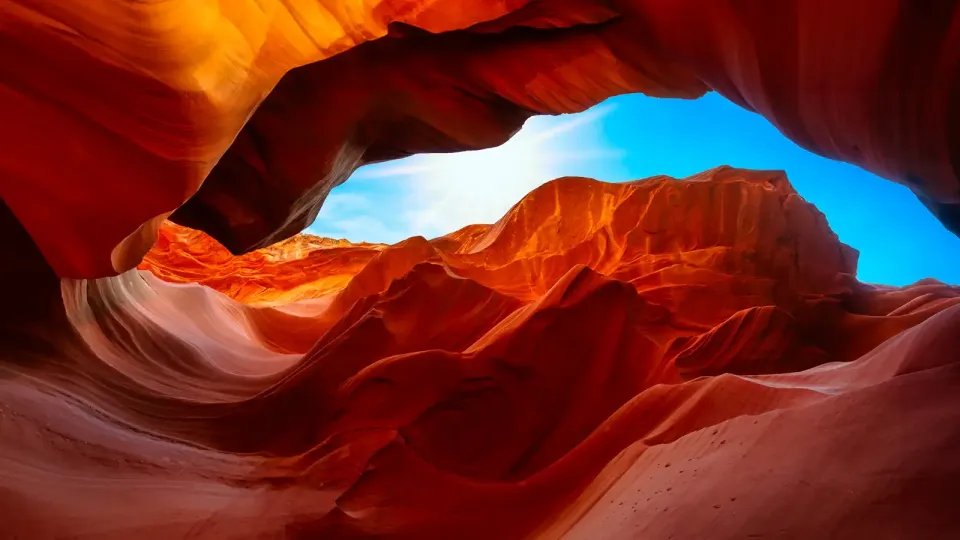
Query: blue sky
[[631, 137]]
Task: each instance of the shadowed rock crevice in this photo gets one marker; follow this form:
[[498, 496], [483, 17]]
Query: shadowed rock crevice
[[254, 116], [674, 358], [534, 376]]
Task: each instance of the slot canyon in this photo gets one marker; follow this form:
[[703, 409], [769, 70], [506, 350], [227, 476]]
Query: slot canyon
[[662, 358]]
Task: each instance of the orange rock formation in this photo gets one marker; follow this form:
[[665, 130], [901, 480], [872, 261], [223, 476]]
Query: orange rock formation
[[606, 361], [257, 109], [660, 359]]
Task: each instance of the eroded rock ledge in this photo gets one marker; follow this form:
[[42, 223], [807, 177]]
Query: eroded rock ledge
[[116, 114], [606, 361]]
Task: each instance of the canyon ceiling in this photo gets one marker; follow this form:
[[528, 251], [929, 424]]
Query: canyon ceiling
[[663, 358]]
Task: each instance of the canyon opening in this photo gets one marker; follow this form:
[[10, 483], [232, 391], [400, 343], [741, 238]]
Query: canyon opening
[[602, 269]]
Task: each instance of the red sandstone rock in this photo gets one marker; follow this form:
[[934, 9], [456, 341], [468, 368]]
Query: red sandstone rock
[[662, 359], [117, 114], [606, 361]]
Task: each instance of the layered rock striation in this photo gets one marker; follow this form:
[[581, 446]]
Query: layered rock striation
[[663, 358], [116, 114], [660, 359]]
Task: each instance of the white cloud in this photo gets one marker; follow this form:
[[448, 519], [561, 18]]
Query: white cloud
[[352, 216], [434, 194], [449, 191], [359, 228]]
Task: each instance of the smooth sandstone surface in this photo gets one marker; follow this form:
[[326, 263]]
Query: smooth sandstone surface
[[657, 359], [236, 117]]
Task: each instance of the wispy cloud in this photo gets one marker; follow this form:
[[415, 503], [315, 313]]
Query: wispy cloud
[[571, 122], [393, 169], [433, 194], [355, 216], [359, 228]]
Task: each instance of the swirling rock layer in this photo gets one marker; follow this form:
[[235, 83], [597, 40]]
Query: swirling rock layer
[[117, 113], [664, 358]]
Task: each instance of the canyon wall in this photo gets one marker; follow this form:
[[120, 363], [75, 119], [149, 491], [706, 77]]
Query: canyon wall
[[665, 358], [115, 115]]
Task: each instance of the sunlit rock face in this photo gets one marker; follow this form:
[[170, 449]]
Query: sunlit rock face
[[664, 358], [658, 359], [250, 112]]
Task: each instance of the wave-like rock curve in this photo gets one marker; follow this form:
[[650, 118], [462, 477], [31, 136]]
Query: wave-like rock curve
[[663, 358], [116, 114]]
